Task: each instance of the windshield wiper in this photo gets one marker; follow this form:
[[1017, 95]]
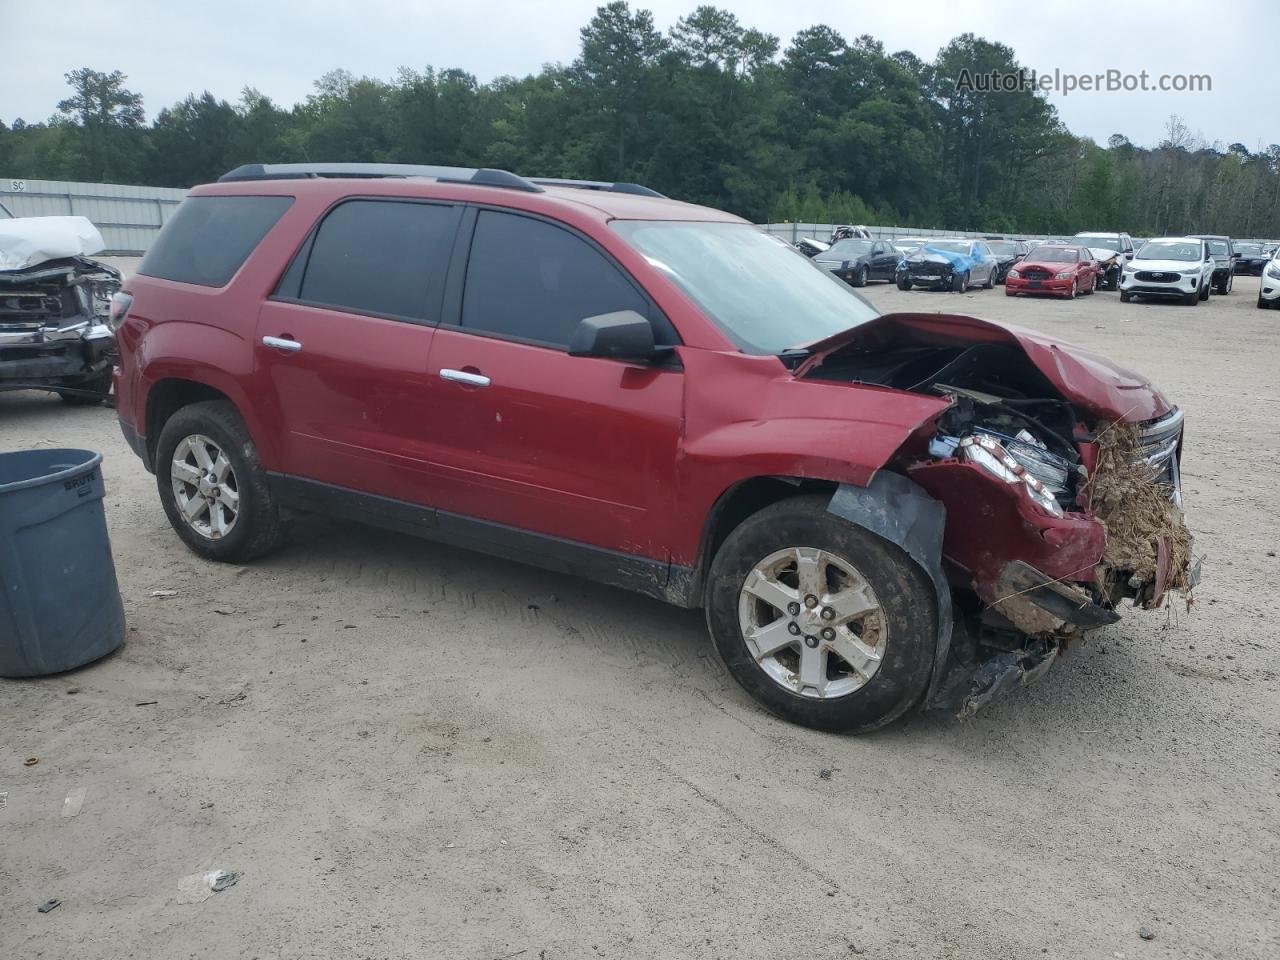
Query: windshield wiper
[[792, 357]]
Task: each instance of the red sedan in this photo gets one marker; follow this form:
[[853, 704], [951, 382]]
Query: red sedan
[[1059, 270]]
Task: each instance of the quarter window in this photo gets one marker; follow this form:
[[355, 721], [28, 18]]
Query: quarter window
[[530, 280], [382, 257]]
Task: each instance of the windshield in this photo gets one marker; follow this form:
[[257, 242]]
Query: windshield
[[951, 246], [1170, 250], [1002, 248], [1250, 249], [848, 248], [765, 298], [1218, 247], [1109, 243], [1054, 255]]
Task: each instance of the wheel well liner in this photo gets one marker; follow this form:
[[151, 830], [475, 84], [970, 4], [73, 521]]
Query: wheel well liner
[[166, 397]]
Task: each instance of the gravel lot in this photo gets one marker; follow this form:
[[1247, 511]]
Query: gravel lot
[[411, 751]]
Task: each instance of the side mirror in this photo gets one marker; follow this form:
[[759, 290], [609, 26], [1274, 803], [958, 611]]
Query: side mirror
[[624, 335]]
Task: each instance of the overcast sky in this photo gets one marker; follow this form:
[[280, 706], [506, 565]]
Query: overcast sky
[[169, 48]]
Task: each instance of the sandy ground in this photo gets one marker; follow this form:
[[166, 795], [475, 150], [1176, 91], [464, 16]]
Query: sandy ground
[[414, 752]]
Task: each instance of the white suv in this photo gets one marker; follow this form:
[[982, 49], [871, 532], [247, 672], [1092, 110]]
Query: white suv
[[1269, 286], [1169, 267]]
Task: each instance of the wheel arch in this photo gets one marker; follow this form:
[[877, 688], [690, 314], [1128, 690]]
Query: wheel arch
[[169, 394]]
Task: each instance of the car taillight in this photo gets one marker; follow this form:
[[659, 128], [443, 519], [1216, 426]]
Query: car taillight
[[120, 304]]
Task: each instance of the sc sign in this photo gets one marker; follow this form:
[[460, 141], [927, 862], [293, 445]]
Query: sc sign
[[17, 186]]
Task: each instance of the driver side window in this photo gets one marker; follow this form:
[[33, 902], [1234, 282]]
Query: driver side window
[[533, 281]]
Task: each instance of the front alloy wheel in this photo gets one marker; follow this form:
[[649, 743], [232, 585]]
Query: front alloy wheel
[[812, 622], [820, 620], [205, 487]]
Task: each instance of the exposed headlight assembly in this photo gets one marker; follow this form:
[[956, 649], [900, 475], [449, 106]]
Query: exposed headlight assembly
[[1273, 269], [987, 452]]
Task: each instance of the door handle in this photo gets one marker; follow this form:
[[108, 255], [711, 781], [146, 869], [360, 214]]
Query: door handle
[[282, 343], [461, 376]]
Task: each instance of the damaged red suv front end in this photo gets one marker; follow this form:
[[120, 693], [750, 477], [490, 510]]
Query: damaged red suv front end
[[1059, 474]]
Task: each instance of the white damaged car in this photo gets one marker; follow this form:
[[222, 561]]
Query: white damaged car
[[54, 302], [1170, 268]]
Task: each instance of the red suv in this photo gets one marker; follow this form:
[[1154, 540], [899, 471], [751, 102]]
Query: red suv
[[876, 512]]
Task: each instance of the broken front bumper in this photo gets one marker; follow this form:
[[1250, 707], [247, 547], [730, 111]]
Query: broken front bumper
[[44, 358]]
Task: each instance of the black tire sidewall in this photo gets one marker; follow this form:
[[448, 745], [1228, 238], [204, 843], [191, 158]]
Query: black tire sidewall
[[258, 525], [905, 594]]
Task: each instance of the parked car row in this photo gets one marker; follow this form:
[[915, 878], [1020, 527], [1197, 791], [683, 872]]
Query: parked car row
[[1186, 268]]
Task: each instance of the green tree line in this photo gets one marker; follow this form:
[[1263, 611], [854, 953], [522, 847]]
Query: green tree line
[[827, 129]]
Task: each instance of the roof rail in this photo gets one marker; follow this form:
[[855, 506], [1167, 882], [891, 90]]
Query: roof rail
[[480, 176], [633, 188]]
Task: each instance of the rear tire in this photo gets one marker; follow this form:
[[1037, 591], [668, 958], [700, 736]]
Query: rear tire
[[853, 570], [256, 526]]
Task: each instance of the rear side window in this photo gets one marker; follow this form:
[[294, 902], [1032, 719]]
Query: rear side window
[[382, 257], [533, 281], [208, 238]]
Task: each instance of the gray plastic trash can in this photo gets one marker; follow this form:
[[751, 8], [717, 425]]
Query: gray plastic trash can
[[60, 606]]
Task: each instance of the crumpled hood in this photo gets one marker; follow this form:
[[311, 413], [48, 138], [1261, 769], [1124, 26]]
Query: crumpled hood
[[29, 241], [928, 254], [1092, 382]]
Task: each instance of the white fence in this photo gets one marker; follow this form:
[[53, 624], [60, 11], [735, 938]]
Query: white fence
[[822, 231], [128, 216]]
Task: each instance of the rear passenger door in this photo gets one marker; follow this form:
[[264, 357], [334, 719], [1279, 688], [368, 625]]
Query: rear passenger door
[[577, 448], [342, 346]]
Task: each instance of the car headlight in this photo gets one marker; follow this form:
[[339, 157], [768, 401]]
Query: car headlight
[[1013, 272], [988, 453], [1064, 275], [1191, 273], [1273, 270]]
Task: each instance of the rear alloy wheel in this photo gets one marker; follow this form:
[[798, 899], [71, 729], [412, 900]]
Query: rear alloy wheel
[[213, 487], [820, 620]]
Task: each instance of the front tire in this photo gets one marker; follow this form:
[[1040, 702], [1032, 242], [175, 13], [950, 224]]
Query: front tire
[[213, 487], [960, 283], [1204, 291], [821, 621], [860, 278], [991, 279], [1191, 299]]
